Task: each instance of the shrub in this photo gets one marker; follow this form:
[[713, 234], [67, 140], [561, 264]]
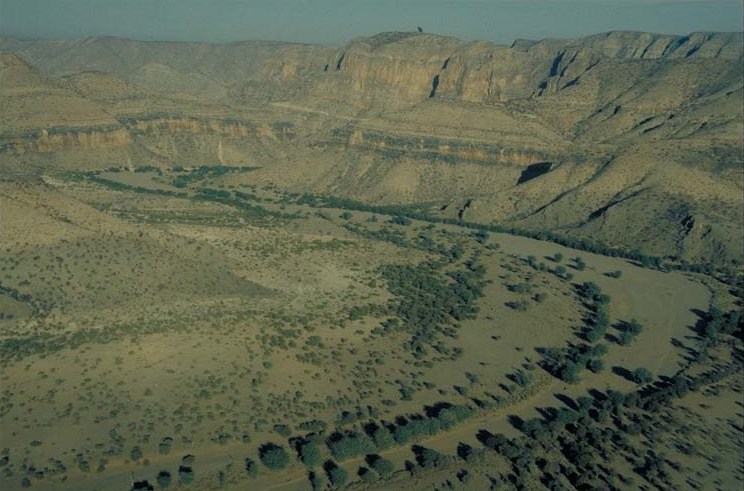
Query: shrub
[[625, 338], [165, 445], [317, 481], [634, 327], [135, 453], [338, 477], [350, 445], [251, 467], [400, 220], [283, 430], [383, 466], [521, 378], [595, 365], [313, 425], [518, 305], [383, 438], [186, 475], [642, 375], [310, 454], [368, 476], [273, 456], [481, 236], [164, 479]]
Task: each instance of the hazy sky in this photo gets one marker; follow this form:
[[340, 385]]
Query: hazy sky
[[337, 21]]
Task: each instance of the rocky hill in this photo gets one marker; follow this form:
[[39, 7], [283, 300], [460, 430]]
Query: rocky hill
[[631, 138]]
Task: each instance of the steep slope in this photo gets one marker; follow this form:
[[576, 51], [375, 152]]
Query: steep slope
[[39, 114]]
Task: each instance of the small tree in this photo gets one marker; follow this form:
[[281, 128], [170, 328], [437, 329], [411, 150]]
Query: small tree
[[317, 481], [310, 454], [557, 257], [185, 475], [368, 476], [164, 479], [383, 466], [338, 476], [273, 456], [251, 467], [634, 327], [642, 375], [383, 438], [625, 338], [595, 365], [135, 453]]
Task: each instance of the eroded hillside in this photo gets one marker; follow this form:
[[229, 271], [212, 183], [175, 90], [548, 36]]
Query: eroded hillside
[[633, 139]]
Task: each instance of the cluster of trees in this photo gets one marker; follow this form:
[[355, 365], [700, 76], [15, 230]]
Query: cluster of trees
[[427, 304], [205, 172], [567, 363], [716, 323], [347, 445], [560, 271], [583, 434], [573, 444], [421, 213], [339, 477], [240, 201], [410, 212], [628, 332], [599, 318], [120, 186]]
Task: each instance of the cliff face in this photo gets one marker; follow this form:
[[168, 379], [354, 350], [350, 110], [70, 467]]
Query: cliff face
[[57, 139], [413, 67], [434, 148], [625, 127], [149, 125]]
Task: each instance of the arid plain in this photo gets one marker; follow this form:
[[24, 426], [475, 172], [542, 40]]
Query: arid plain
[[409, 262]]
